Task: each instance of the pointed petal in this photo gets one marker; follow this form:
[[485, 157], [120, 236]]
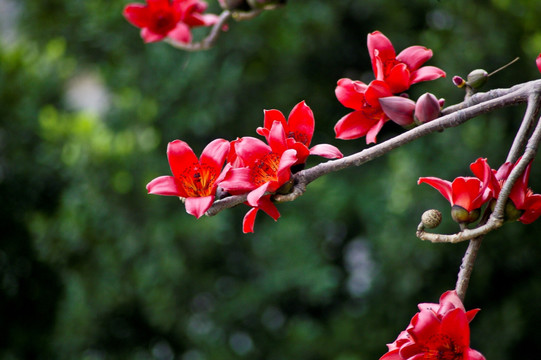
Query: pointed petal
[[399, 109], [377, 41], [350, 93], [391, 355], [268, 207], [181, 33], [149, 36], [376, 90], [414, 56], [250, 149], [455, 325], [181, 158], [353, 125], [327, 151], [137, 15], [255, 195], [214, 154], [475, 355], [269, 117], [398, 79], [238, 181], [164, 185], [249, 220], [288, 159], [301, 149], [426, 73], [374, 131], [301, 123], [443, 186], [277, 138], [197, 206]]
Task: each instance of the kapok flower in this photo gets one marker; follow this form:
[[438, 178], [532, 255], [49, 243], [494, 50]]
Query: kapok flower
[[164, 18], [299, 129], [437, 332], [263, 169], [368, 117], [193, 179], [466, 195], [524, 206], [402, 70]]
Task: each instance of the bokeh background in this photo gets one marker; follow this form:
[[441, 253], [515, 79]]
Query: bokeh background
[[91, 267]]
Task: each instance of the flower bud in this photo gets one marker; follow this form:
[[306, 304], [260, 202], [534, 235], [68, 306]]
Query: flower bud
[[459, 82], [511, 213], [427, 108], [399, 109], [431, 218], [477, 78]]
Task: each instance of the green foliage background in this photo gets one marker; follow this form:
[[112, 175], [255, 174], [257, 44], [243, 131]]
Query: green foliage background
[[91, 267]]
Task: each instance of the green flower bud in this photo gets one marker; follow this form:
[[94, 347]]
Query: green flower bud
[[477, 78], [511, 213]]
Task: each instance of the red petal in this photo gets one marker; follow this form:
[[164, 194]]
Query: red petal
[[250, 149], [455, 325], [532, 209], [214, 154], [467, 193], [181, 33], [248, 221], [377, 41], [398, 79], [277, 138], [443, 186], [255, 195], [159, 5], [164, 185], [181, 158], [374, 131], [426, 73], [288, 159], [238, 181], [538, 62], [354, 125], [425, 325], [327, 151], [475, 355], [351, 93], [376, 90], [149, 36], [269, 117], [414, 56], [301, 123], [391, 355], [137, 15], [197, 206], [268, 207]]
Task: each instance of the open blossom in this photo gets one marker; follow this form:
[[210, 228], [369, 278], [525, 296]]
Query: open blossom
[[164, 18], [299, 129], [525, 206], [466, 195], [257, 168], [193, 179], [437, 332], [402, 70], [368, 117]]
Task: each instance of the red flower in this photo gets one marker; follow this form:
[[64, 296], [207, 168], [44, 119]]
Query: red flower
[[194, 179], [162, 18], [368, 117], [259, 168], [402, 70], [437, 332], [526, 206], [299, 129], [466, 195]]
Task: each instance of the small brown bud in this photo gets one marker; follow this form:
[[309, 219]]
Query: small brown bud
[[431, 218]]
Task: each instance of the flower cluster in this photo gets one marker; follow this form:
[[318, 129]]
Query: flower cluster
[[174, 19], [252, 167], [437, 332], [468, 194], [394, 74]]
